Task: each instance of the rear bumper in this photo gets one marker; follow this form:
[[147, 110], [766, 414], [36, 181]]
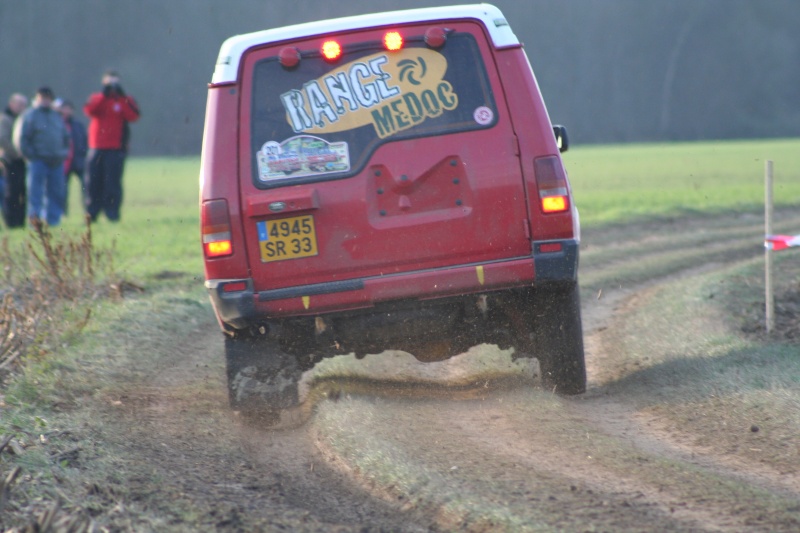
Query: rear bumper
[[556, 267], [234, 309], [241, 308]]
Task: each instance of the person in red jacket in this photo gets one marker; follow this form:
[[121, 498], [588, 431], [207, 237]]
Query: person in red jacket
[[109, 113]]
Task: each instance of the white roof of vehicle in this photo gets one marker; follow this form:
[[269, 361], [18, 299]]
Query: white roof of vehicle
[[232, 49]]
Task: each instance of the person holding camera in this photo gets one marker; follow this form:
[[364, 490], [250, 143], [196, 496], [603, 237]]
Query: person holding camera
[[109, 113]]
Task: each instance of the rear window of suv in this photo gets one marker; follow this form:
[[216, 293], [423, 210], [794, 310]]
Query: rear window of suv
[[322, 120]]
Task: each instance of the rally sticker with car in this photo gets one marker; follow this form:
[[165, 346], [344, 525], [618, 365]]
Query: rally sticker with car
[[391, 91], [302, 155]]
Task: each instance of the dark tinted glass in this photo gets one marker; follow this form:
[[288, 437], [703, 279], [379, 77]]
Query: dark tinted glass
[[322, 120]]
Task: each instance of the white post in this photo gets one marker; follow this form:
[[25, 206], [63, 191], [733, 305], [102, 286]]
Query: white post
[[768, 252]]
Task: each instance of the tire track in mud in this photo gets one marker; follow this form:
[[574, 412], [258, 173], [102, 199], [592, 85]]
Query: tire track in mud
[[467, 450], [527, 460], [177, 429], [477, 469], [634, 476], [644, 432]]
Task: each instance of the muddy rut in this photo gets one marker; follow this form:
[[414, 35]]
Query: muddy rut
[[486, 450]]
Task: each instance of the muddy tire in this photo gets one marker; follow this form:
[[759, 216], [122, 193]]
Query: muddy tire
[[558, 339], [262, 379]]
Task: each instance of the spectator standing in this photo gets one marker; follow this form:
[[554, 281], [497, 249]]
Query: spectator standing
[[109, 112], [14, 197], [42, 139], [75, 162]]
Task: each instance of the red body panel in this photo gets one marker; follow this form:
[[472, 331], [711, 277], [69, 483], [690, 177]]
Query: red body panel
[[426, 217], [219, 176], [419, 204], [428, 284], [535, 139]]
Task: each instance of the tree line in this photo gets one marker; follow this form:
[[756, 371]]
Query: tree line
[[610, 70]]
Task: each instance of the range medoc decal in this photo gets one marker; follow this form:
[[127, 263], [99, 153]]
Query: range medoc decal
[[392, 91]]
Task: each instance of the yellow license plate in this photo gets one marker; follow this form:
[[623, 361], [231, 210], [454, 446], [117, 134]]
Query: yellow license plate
[[287, 238]]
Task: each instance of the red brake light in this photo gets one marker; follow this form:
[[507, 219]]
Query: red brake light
[[331, 50], [289, 56], [216, 228], [236, 286], [548, 247], [554, 204], [552, 184], [435, 37], [218, 248], [393, 41]]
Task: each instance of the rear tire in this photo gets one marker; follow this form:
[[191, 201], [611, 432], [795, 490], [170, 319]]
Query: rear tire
[[558, 339], [262, 379]]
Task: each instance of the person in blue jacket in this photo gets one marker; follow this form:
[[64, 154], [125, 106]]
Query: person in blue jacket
[[42, 139]]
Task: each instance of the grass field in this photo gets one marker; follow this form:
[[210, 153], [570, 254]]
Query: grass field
[[621, 183], [79, 361], [159, 228]]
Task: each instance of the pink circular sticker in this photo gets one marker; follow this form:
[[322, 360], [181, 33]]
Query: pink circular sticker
[[483, 115]]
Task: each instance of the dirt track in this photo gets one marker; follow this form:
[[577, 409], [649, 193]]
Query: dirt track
[[373, 454]]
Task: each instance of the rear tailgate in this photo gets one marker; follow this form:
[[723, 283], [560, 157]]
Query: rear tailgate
[[377, 163]]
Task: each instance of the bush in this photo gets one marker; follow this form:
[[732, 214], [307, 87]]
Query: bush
[[41, 279]]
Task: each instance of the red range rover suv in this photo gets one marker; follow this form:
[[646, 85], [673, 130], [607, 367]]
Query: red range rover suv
[[386, 181]]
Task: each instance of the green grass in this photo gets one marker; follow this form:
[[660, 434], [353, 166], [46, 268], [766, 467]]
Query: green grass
[[625, 182], [160, 225], [159, 230]]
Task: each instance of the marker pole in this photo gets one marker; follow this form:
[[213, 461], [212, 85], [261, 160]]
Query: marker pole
[[768, 252]]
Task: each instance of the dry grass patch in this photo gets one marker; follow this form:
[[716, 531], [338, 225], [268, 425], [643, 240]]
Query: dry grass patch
[[49, 286], [44, 279], [698, 362]]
